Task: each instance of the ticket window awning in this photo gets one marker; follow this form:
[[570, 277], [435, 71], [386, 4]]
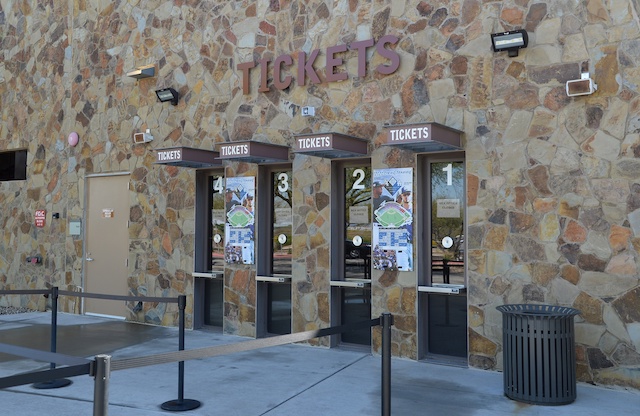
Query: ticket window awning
[[330, 145], [424, 138], [187, 157], [253, 152]]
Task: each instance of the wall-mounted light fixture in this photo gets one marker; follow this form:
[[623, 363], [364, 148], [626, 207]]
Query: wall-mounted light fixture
[[168, 94], [510, 41], [142, 72], [582, 86]]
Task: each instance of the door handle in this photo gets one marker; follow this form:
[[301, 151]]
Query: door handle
[[89, 259]]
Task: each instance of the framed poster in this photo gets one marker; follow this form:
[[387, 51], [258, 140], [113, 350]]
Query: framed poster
[[239, 239], [392, 191]]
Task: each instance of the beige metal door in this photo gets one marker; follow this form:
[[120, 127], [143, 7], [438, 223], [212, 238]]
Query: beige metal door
[[107, 243]]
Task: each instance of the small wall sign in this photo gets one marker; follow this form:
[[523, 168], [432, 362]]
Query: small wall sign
[[448, 208], [359, 215], [75, 228], [40, 217]]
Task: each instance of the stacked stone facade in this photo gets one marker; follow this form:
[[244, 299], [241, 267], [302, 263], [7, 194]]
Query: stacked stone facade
[[553, 195]]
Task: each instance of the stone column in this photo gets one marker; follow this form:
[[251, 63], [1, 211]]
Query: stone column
[[240, 280], [391, 290], [311, 244]]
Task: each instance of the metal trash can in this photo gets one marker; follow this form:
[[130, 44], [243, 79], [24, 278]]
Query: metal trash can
[[538, 352]]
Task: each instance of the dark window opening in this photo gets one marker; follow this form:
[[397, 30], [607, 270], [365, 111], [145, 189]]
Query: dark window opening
[[13, 165]]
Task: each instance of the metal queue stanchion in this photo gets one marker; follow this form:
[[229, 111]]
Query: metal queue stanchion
[[61, 382], [181, 404], [386, 320], [101, 372]]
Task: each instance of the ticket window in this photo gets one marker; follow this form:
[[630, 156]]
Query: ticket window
[[443, 299], [351, 273], [209, 255], [216, 232], [275, 252]]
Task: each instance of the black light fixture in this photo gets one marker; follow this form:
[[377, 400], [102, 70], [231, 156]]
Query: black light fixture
[[168, 94], [510, 41]]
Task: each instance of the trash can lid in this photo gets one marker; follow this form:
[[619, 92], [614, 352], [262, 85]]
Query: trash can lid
[[540, 310]]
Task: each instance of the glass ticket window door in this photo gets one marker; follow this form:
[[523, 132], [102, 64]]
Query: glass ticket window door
[[275, 260], [209, 254], [218, 219], [443, 299], [351, 285]]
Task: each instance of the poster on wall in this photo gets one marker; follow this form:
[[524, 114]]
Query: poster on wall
[[239, 228], [393, 219]]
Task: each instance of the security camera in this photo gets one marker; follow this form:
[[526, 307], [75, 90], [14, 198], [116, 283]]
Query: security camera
[[582, 86], [308, 111]]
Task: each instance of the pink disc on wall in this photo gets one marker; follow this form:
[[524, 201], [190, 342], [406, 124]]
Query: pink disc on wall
[[73, 138]]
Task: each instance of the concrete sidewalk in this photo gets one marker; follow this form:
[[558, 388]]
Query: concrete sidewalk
[[276, 381]]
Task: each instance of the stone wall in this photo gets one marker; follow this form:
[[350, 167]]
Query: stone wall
[[552, 181], [553, 207], [35, 75]]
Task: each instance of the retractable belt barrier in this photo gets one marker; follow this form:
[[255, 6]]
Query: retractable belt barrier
[[117, 297], [75, 366], [102, 365], [48, 292], [250, 345], [49, 379]]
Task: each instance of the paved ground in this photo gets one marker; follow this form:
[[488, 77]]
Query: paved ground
[[276, 381]]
